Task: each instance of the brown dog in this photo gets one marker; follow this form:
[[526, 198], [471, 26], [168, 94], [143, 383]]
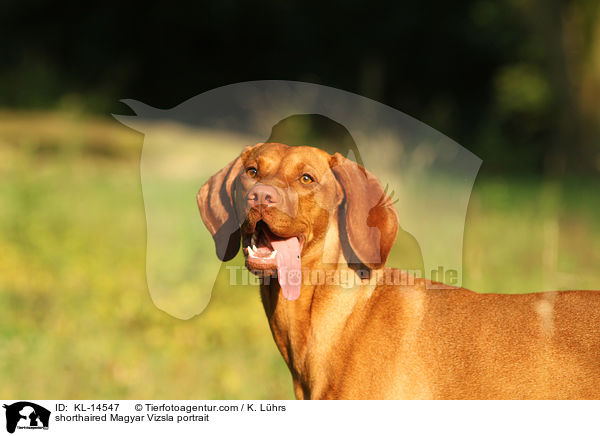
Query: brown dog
[[299, 210]]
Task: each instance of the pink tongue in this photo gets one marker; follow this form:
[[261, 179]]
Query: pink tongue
[[288, 266]]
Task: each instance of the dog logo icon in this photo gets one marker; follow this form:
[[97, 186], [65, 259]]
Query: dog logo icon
[[26, 415]]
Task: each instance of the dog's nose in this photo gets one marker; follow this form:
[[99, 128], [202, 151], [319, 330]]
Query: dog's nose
[[261, 196]]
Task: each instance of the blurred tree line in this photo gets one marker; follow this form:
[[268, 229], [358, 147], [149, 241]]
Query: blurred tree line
[[515, 81]]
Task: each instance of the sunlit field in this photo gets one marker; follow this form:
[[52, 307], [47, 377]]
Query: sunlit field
[[76, 318]]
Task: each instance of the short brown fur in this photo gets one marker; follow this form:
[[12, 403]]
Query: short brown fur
[[381, 341]]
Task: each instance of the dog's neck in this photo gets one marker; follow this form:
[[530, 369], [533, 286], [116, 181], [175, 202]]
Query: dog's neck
[[291, 321]]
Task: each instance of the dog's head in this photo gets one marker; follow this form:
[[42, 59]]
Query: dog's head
[[279, 202]]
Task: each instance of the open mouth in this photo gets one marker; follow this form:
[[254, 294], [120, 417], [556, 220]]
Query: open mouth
[[267, 253], [260, 254]]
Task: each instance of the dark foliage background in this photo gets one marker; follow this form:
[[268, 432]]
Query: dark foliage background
[[515, 81]]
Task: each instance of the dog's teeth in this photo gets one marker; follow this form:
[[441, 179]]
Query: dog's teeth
[[273, 254], [250, 252], [254, 247]]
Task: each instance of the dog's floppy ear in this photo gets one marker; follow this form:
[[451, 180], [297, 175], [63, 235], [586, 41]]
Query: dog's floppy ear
[[369, 222], [215, 201]]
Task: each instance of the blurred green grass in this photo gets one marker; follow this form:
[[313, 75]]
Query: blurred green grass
[[532, 234], [76, 319]]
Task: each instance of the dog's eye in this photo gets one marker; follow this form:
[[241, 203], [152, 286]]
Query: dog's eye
[[251, 172], [306, 179]]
